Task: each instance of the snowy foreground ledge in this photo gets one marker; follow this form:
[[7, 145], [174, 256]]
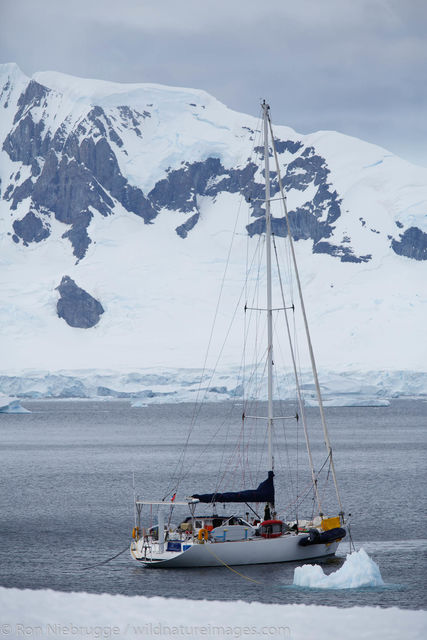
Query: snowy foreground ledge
[[51, 614]]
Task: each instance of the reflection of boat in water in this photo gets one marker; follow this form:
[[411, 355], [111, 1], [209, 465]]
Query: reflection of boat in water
[[212, 540]]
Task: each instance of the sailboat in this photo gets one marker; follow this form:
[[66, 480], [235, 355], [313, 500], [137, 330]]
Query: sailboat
[[216, 540]]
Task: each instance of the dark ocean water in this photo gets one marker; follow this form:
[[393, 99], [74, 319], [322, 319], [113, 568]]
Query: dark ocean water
[[66, 498]]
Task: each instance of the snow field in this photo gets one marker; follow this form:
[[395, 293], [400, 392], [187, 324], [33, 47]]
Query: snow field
[[81, 615], [159, 291]]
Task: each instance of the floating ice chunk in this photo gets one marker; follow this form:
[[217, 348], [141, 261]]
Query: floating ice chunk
[[348, 400], [358, 570], [11, 405], [138, 403]]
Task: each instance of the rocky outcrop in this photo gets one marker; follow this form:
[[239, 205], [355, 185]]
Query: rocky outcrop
[[77, 307], [30, 229], [70, 170], [412, 244], [74, 174], [80, 172], [183, 229]]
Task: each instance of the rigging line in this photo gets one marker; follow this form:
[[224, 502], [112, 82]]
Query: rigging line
[[231, 568], [234, 455], [98, 564], [352, 545], [288, 466], [196, 410], [299, 499], [298, 389], [251, 314], [248, 268], [307, 488], [184, 475], [259, 254], [253, 510], [198, 404], [285, 258], [310, 346], [284, 467], [220, 475], [226, 420], [255, 260], [213, 373], [228, 330], [252, 381], [323, 466], [255, 298], [235, 452], [325, 482], [256, 378], [297, 471]]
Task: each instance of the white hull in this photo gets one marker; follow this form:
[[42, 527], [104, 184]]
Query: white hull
[[244, 552]]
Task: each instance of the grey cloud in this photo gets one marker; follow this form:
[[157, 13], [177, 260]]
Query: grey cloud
[[358, 67]]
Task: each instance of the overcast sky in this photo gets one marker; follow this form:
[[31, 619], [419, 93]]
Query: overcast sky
[[355, 66]]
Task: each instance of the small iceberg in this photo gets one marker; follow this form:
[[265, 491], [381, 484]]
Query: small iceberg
[[358, 570], [11, 405], [138, 403]]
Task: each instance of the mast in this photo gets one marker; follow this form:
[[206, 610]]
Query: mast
[[307, 332], [270, 417]]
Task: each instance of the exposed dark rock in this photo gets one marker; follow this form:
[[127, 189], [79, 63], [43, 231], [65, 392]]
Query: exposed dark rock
[[26, 142], [345, 254], [35, 168], [115, 137], [18, 194], [179, 190], [183, 229], [86, 174], [33, 96], [412, 244], [260, 152], [81, 173], [77, 307], [101, 163], [7, 193], [287, 145], [78, 235], [75, 174], [305, 169], [68, 189], [31, 228]]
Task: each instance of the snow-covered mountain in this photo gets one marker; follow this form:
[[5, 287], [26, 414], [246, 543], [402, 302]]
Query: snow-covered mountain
[[117, 207]]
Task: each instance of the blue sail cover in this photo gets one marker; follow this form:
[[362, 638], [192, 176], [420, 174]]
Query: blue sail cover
[[264, 493]]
